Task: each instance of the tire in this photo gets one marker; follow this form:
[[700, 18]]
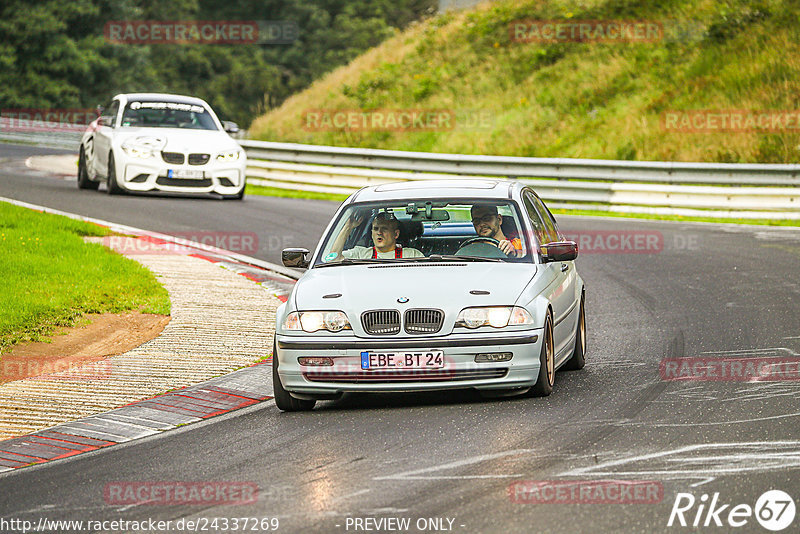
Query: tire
[[84, 182], [578, 358], [284, 401], [547, 371], [112, 187]]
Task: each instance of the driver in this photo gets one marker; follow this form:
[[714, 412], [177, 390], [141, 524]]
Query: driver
[[487, 221], [385, 231]]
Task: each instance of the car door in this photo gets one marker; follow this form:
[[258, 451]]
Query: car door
[[561, 275], [102, 137]]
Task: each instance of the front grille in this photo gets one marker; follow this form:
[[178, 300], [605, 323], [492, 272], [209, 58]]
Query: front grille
[[415, 375], [377, 322], [163, 180], [198, 159], [421, 321], [175, 158]]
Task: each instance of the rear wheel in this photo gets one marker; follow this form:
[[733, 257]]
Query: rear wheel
[[112, 187], [547, 364], [578, 358], [83, 174], [283, 399]]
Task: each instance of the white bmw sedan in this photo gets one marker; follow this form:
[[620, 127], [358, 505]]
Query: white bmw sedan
[[160, 142], [431, 285]]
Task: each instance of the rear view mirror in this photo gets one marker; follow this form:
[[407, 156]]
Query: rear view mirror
[[294, 257], [560, 251]]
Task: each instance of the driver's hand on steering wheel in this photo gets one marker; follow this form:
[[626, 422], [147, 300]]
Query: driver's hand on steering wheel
[[506, 246]]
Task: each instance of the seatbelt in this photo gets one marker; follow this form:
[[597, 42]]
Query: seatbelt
[[398, 252]]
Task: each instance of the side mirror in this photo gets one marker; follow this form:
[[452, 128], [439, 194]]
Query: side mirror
[[560, 251], [294, 257], [230, 127]]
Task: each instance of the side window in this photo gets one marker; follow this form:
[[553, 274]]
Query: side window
[[109, 114], [536, 221], [547, 219]]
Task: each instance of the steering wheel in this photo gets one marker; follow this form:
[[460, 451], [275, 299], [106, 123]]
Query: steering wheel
[[485, 247], [480, 239]]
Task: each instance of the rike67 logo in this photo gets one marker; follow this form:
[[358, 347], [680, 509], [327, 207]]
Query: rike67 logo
[[774, 510]]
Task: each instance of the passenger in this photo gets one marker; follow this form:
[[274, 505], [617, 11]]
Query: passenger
[[385, 231], [487, 222]]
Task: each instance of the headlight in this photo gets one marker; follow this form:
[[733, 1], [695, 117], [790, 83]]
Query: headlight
[[231, 155], [143, 147], [496, 316], [333, 321]]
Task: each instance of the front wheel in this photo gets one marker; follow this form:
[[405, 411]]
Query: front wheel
[[84, 182], [547, 364], [284, 401], [112, 187]]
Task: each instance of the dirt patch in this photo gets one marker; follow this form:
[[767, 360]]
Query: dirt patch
[[73, 350]]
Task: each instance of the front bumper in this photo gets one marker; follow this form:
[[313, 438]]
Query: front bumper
[[460, 370], [152, 175]]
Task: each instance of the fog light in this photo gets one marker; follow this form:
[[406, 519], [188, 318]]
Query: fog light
[[493, 357], [315, 361]]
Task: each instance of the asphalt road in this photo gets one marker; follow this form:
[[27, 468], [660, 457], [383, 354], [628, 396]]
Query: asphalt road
[[705, 291]]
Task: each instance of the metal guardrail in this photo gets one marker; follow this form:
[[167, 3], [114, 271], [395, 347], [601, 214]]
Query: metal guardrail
[[670, 188], [692, 189]]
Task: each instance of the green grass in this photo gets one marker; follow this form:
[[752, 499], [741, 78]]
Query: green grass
[[51, 277], [291, 193], [567, 99]]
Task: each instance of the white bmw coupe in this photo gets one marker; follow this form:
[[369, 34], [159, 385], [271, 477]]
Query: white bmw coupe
[[160, 142]]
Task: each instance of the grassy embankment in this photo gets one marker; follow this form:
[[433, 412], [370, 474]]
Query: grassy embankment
[[567, 99], [51, 277], [579, 100]]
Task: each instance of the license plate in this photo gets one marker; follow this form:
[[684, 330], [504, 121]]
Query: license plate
[[189, 174], [430, 359]]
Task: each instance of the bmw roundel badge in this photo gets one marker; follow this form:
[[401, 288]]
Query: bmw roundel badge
[[402, 300]]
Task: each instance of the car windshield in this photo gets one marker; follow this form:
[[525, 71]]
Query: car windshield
[[426, 230], [151, 114]]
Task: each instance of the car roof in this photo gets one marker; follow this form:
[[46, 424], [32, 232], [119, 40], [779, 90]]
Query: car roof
[[157, 97], [439, 189]]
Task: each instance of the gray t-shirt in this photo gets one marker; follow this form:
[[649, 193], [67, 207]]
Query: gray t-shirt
[[361, 253]]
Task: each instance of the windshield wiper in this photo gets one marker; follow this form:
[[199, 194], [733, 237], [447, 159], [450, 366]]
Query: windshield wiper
[[352, 261], [450, 257]]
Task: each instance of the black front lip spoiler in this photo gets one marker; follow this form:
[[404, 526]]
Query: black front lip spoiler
[[410, 344]]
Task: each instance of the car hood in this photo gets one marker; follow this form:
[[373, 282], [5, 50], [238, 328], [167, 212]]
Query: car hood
[[183, 140], [445, 286]]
